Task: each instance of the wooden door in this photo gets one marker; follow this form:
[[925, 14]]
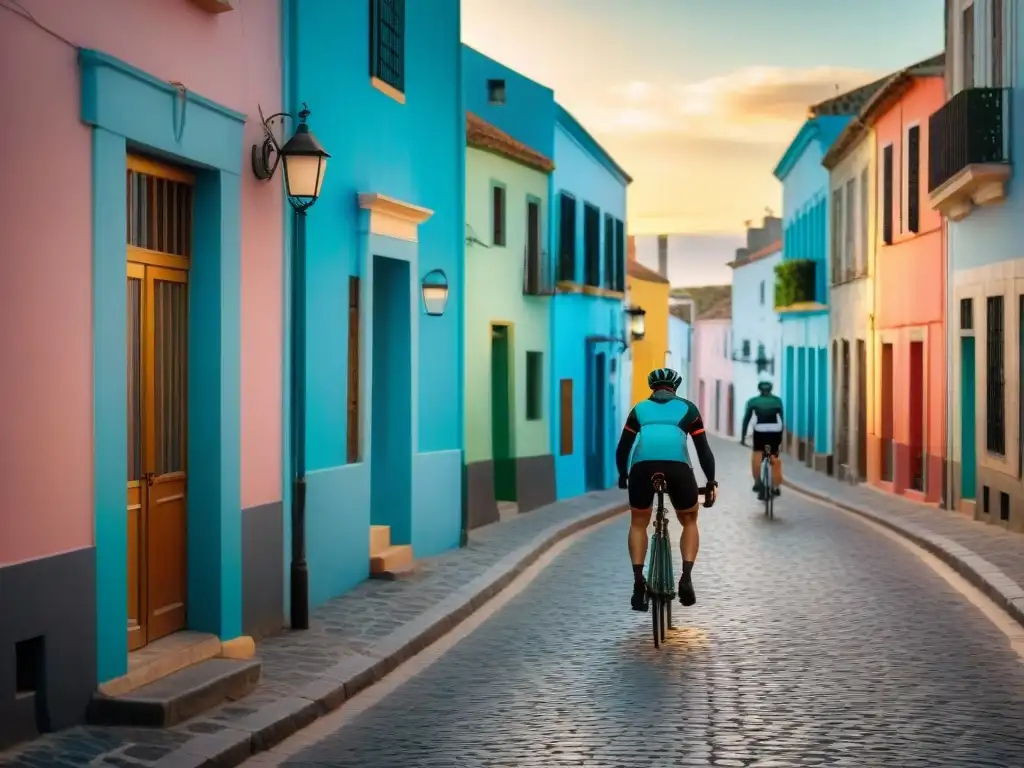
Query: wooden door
[[159, 240]]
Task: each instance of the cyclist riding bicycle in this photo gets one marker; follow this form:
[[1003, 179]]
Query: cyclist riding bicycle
[[766, 410], [653, 441]]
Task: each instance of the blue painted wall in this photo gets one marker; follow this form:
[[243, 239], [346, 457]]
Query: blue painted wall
[[806, 233], [529, 111], [414, 152], [585, 171]]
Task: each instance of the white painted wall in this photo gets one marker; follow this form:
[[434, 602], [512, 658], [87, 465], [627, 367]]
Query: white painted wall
[[713, 363], [679, 355], [755, 322]]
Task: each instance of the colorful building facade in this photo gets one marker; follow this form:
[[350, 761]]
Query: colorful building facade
[[907, 440], [713, 367], [680, 349], [169, 476], [647, 290], [852, 250], [384, 433], [973, 185], [756, 329], [509, 465]]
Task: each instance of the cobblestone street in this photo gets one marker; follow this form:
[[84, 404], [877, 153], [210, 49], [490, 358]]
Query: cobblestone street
[[814, 642]]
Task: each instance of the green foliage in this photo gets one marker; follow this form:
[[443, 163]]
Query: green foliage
[[794, 282]]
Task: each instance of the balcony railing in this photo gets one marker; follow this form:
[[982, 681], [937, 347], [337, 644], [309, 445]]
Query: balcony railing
[[969, 151], [795, 282], [537, 278]]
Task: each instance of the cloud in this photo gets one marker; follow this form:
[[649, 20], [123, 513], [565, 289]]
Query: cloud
[[753, 104]]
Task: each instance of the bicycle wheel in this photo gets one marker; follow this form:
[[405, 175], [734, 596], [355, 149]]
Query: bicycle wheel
[[656, 620], [666, 611]]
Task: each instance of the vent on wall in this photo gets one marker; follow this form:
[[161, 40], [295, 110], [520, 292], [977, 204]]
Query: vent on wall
[[215, 6]]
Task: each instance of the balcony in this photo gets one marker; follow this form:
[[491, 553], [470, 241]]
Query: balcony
[[969, 152], [795, 286], [537, 278]]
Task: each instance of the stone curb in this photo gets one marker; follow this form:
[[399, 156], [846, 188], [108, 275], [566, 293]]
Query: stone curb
[[996, 585], [274, 722]]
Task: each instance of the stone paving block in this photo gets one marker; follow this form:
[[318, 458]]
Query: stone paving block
[[326, 693], [275, 722], [215, 750]]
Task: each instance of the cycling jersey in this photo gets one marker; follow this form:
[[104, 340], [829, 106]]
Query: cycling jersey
[[656, 430], [766, 411]]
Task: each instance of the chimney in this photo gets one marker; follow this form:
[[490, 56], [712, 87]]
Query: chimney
[[663, 255]]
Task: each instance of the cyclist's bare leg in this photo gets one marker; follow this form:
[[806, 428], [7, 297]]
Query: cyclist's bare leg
[[639, 522], [689, 541], [755, 465], [777, 470]]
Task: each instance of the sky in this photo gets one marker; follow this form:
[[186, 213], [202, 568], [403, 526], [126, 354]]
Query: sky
[[698, 99]]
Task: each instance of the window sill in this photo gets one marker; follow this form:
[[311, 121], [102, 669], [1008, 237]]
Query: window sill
[[388, 90]]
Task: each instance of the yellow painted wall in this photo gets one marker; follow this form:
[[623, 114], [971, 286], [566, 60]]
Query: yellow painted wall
[[649, 352]]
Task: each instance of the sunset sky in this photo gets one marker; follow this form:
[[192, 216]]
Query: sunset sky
[[697, 99]]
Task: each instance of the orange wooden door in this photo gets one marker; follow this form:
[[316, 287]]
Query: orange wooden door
[[159, 234]]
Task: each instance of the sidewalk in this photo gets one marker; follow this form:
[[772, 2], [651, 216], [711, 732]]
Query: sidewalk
[[352, 642], [991, 558]]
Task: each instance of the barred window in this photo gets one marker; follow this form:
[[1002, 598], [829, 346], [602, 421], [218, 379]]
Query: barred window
[[387, 42]]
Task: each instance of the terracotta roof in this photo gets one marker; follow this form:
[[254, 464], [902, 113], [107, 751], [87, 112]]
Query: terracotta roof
[[704, 296], [720, 310], [681, 311], [640, 272], [482, 135], [768, 250], [848, 103], [881, 100]]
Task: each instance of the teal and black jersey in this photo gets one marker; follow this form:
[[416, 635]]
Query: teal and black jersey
[[766, 410], [656, 430]]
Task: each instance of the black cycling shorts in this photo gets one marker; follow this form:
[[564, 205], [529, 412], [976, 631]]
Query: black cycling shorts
[[761, 439], [679, 482]]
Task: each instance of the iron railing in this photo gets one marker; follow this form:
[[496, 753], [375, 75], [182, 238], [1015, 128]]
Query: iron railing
[[537, 277], [972, 127]]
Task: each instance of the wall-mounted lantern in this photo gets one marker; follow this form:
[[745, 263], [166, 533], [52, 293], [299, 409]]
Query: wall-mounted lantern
[[637, 322], [435, 292], [305, 161]]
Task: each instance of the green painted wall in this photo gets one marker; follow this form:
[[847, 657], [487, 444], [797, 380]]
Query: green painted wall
[[494, 294]]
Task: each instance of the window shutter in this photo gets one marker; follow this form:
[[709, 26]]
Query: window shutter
[[914, 178], [887, 195]]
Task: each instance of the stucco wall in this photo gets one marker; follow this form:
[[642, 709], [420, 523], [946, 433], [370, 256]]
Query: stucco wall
[[494, 279], [47, 222], [680, 357], [712, 347], [757, 323], [649, 352]]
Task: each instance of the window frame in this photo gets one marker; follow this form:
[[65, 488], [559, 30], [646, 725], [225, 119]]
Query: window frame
[[534, 381], [887, 201], [912, 187], [592, 249], [497, 85], [392, 82], [565, 268], [499, 237]]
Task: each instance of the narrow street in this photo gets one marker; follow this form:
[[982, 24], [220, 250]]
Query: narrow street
[[815, 641]]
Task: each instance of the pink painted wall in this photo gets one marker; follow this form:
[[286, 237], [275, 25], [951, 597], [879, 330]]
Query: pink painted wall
[[712, 357], [46, 461]]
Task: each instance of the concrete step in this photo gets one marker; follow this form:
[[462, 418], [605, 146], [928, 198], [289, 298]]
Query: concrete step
[[179, 696], [380, 538], [507, 510], [392, 559], [403, 572], [162, 658]]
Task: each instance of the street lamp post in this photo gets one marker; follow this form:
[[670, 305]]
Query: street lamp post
[[305, 162]]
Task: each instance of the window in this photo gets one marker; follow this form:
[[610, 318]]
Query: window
[[567, 237], [536, 277], [997, 43], [591, 245], [762, 293], [887, 195], [914, 178], [159, 212], [746, 349], [387, 42], [966, 314], [352, 436], [849, 256], [994, 402], [565, 416], [609, 251], [862, 252], [967, 47], [620, 255], [534, 385], [1004, 505], [496, 92], [497, 214], [762, 358], [837, 233]]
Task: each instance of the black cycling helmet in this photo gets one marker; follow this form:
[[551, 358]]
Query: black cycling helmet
[[664, 377], [764, 386]]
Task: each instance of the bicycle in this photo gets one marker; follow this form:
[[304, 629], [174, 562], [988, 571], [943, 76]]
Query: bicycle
[[661, 580], [766, 482]]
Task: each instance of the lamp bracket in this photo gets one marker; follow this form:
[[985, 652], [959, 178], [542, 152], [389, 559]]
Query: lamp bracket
[[267, 155]]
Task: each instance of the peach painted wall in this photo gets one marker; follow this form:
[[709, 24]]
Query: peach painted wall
[[712, 354], [46, 461], [910, 279]]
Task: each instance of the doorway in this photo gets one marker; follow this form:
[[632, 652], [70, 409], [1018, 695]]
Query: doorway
[[502, 429], [887, 414], [862, 408], [391, 412], [598, 372], [916, 412], [158, 252], [729, 411], [968, 423], [812, 404]]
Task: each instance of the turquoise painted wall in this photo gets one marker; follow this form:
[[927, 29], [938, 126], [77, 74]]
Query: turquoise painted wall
[[126, 105], [494, 293], [413, 152]]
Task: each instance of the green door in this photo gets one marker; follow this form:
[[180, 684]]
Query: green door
[[968, 448], [501, 415]]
